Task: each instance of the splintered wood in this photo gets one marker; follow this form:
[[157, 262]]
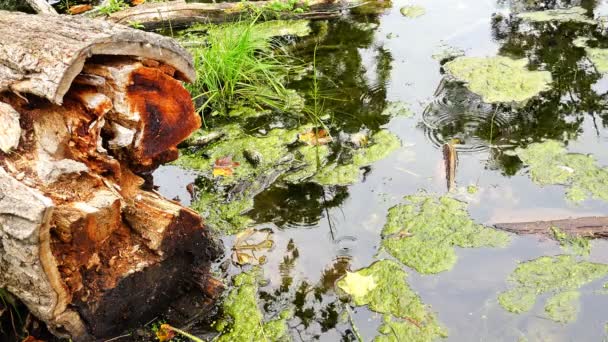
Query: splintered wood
[[83, 242]]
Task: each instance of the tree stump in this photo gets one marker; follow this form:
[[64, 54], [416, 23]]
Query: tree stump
[[86, 108]]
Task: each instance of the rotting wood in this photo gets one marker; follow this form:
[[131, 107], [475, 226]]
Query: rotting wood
[[592, 227], [82, 239], [178, 13]]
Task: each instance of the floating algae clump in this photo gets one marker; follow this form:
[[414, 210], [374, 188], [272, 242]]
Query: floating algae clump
[[561, 276], [311, 158], [381, 144], [577, 14], [599, 58], [244, 320], [398, 108], [499, 79], [423, 232], [412, 11], [384, 289], [227, 217], [550, 163], [570, 243]]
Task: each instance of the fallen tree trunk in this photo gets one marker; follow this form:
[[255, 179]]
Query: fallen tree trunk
[[85, 107], [178, 13], [592, 227]]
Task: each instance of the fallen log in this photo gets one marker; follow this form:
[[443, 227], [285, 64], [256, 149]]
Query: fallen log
[[179, 13], [591, 227], [86, 108]]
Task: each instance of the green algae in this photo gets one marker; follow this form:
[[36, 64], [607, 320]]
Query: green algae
[[423, 232], [243, 319], [558, 276], [499, 79], [412, 11], [279, 28], [599, 58], [381, 144], [563, 307], [574, 14], [397, 108], [399, 329], [574, 244], [384, 289], [271, 148], [472, 189], [311, 158], [550, 164], [227, 217]]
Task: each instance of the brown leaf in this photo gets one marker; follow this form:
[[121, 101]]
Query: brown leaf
[[137, 2], [315, 137], [77, 9], [224, 166]]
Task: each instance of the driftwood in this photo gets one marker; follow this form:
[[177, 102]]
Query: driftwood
[[179, 13], [85, 107], [592, 227]]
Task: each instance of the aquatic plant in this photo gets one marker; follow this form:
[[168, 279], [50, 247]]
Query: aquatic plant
[[423, 232], [550, 163], [243, 319], [412, 11], [499, 79], [383, 288], [238, 66], [397, 108], [577, 14], [561, 276], [113, 6]]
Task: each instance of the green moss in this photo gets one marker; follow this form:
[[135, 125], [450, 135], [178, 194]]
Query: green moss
[[577, 14], [574, 244], [423, 232], [381, 144], [563, 307], [559, 275], [226, 217], [278, 28], [412, 11], [311, 158], [243, 319], [550, 163], [472, 189], [499, 79], [383, 288]]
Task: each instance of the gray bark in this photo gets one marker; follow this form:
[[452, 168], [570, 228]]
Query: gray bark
[[42, 54], [41, 6]]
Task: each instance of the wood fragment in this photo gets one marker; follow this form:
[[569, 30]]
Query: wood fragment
[[593, 227], [41, 6]]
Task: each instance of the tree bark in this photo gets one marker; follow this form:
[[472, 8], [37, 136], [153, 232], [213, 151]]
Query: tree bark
[[89, 106], [593, 227], [179, 13]]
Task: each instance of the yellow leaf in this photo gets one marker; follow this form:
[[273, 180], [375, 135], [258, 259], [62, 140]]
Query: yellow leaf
[[165, 333], [357, 285], [222, 171], [315, 137]]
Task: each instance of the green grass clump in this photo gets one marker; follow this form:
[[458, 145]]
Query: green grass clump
[[113, 6], [239, 66]]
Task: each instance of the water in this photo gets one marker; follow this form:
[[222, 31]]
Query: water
[[335, 229]]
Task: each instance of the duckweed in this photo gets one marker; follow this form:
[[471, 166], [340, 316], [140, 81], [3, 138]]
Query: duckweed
[[576, 14], [244, 320], [560, 276], [550, 163], [384, 289], [423, 232], [499, 79]]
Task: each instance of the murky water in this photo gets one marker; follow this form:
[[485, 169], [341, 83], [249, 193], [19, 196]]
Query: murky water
[[367, 61]]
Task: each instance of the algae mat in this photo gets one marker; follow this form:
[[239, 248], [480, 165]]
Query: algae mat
[[423, 232], [499, 79]]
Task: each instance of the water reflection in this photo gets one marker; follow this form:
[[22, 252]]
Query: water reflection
[[556, 114]]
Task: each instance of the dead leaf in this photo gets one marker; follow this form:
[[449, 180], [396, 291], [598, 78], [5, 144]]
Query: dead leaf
[[315, 137], [251, 242], [165, 333], [224, 167], [137, 2], [77, 9]]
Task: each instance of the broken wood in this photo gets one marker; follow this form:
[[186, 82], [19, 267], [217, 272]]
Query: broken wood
[[179, 13], [90, 106], [592, 227]]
